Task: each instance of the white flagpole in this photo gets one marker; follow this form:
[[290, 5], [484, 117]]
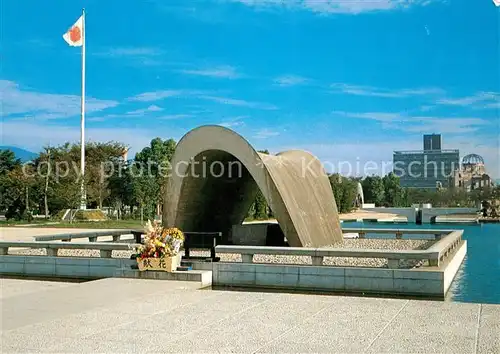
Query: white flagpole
[[83, 202]]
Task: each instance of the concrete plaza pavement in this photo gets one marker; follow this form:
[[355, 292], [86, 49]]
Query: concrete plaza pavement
[[128, 315]]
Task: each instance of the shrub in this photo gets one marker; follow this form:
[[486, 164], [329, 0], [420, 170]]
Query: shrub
[[87, 215]]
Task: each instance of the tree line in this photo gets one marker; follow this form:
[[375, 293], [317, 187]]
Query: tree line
[[387, 191], [134, 188]]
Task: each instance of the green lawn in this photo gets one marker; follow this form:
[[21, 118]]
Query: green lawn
[[22, 222], [108, 224]]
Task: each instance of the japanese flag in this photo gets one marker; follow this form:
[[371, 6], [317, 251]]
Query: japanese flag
[[74, 36]]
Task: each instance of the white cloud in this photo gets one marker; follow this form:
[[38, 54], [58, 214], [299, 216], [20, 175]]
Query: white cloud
[[445, 125], [140, 112], [189, 9], [162, 94], [204, 95], [136, 56], [22, 103], [225, 72], [375, 157], [488, 149], [231, 124], [97, 119], [33, 136], [155, 95], [358, 90], [103, 118], [337, 6], [128, 52], [175, 116], [290, 80], [354, 159], [495, 105], [420, 124], [234, 122], [265, 133], [378, 116], [479, 100], [38, 42], [238, 102]]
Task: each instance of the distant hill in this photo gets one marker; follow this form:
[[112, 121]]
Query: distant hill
[[23, 155]]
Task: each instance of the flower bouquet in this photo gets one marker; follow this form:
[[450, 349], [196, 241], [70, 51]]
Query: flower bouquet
[[161, 248]]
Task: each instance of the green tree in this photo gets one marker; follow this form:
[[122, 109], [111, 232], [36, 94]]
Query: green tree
[[447, 197], [156, 159], [393, 192], [45, 157], [17, 199], [260, 207], [145, 190], [373, 190], [17, 187], [99, 161], [8, 161], [121, 187], [58, 177], [157, 155], [344, 191]]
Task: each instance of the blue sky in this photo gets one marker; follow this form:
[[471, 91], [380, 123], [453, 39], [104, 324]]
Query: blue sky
[[346, 80]]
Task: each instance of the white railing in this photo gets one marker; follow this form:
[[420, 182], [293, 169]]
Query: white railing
[[434, 255], [92, 236], [51, 248], [397, 232]]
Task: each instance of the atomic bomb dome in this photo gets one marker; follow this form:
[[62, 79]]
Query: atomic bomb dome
[[472, 159], [472, 175]]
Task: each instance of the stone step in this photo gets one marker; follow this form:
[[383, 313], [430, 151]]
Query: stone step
[[202, 276]]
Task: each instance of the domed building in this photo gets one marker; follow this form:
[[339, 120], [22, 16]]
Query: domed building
[[474, 164], [472, 174]]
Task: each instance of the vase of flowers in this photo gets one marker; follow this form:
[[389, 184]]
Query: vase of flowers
[[161, 248]]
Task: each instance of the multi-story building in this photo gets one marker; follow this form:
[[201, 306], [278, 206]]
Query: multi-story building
[[432, 142], [428, 168]]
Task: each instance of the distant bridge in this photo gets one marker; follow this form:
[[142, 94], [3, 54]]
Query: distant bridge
[[427, 215], [409, 213]]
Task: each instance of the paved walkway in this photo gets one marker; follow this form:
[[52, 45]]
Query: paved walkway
[[126, 315]]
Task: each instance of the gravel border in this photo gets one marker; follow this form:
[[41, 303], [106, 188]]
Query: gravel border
[[382, 244]]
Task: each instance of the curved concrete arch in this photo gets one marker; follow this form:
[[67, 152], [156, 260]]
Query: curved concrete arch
[[293, 183]]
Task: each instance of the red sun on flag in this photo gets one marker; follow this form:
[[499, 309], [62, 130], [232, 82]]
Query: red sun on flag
[[75, 34]]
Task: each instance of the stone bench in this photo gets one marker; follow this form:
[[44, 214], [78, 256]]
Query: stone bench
[[201, 240]]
